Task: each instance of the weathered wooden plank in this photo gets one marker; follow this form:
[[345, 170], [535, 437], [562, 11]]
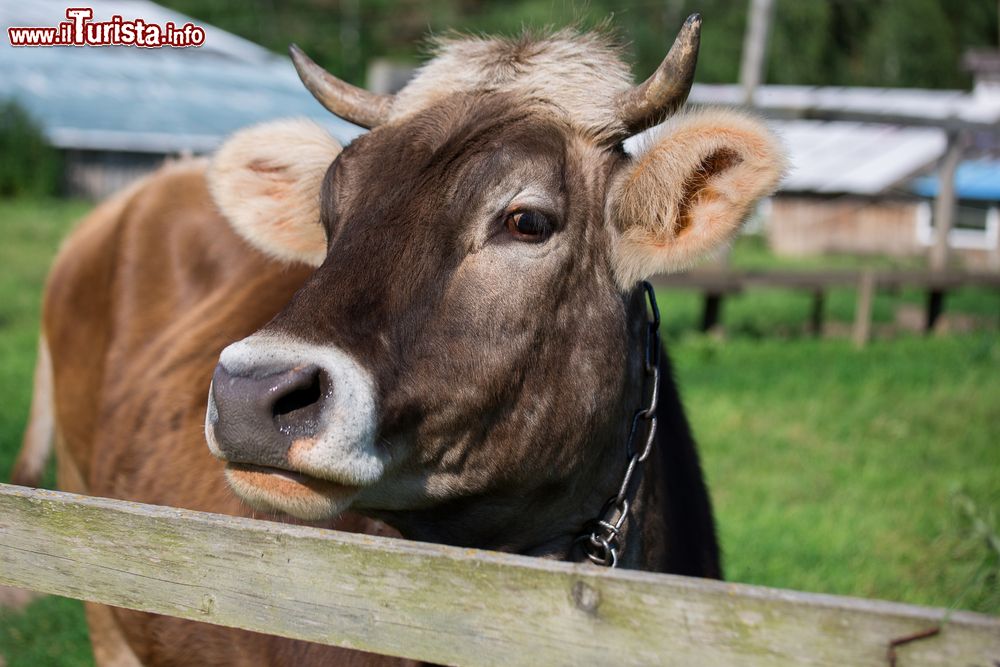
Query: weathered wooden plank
[[722, 282], [444, 604], [799, 279]]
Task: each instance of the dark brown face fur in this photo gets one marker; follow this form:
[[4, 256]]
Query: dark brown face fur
[[499, 364]]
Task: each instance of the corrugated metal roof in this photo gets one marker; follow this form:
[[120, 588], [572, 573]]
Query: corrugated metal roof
[[925, 107], [855, 158], [151, 100]]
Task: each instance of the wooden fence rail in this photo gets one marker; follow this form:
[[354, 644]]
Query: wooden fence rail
[[716, 285], [444, 604]]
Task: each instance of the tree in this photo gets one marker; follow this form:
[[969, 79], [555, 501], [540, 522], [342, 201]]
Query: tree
[[913, 43]]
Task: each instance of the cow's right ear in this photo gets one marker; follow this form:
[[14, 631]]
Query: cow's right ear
[[266, 180], [687, 190]]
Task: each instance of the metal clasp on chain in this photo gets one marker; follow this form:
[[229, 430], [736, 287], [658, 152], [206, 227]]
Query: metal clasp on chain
[[602, 538]]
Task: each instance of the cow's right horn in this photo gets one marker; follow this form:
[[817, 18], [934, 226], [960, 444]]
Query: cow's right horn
[[351, 103], [652, 101]]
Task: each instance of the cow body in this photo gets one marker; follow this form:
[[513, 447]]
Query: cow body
[[127, 301], [155, 282], [450, 340]]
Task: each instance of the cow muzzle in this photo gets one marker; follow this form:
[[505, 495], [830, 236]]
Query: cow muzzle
[[295, 423]]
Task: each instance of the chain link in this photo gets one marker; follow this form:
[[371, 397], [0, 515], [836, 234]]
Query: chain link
[[601, 540]]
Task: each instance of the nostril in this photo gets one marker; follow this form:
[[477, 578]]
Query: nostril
[[255, 415], [298, 410], [299, 398]]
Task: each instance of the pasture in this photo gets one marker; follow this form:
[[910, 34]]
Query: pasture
[[871, 473]]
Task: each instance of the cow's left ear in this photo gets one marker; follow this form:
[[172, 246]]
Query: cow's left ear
[[687, 190], [266, 180]]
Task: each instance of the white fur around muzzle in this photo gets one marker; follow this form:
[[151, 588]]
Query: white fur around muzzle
[[345, 450]]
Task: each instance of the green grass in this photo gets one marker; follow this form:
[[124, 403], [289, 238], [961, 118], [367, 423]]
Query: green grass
[[841, 471], [873, 473], [51, 631], [31, 231]]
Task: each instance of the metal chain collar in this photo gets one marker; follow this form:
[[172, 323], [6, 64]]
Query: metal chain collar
[[601, 540]]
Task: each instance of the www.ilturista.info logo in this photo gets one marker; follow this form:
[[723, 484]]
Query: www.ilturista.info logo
[[79, 30]]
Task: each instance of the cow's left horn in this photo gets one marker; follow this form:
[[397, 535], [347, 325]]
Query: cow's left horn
[[349, 102], [663, 93]]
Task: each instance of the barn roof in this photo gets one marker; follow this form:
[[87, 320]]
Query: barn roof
[[149, 100], [900, 106], [855, 158]]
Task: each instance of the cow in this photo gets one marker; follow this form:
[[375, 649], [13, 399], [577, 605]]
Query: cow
[[439, 331]]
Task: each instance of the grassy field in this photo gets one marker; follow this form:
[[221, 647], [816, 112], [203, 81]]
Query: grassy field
[[873, 473]]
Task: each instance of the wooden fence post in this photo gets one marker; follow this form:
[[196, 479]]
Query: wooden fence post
[[711, 314], [816, 313], [944, 203], [863, 309], [935, 306]]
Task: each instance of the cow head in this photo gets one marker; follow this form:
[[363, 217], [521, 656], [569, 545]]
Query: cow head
[[467, 343]]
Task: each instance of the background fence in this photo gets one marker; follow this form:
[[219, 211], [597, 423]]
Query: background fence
[[445, 604], [716, 285]]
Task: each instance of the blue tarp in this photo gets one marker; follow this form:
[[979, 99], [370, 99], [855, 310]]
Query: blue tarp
[[974, 180]]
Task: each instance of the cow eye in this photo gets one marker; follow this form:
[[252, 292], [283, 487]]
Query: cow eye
[[529, 226]]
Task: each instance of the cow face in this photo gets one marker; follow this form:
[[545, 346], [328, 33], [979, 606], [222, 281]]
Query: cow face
[[466, 343]]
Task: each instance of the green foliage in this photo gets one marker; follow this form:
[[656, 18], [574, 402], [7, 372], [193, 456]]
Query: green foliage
[[29, 165], [913, 43], [903, 28]]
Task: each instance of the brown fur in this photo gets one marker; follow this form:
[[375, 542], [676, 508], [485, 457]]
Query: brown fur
[[141, 300]]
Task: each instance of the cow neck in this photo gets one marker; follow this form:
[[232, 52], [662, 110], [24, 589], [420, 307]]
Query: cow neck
[[604, 539]]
